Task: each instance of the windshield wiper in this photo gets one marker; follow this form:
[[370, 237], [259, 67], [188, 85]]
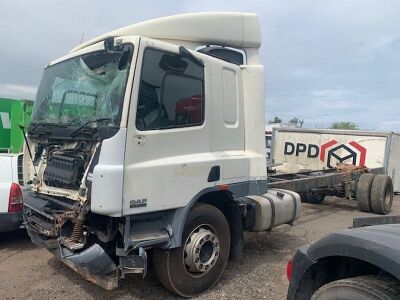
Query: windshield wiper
[[42, 124], [75, 132]]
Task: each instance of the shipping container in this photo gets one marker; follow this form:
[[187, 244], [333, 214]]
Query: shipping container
[[299, 150]]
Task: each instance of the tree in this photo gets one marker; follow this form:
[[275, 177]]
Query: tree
[[296, 122], [345, 125], [275, 120]]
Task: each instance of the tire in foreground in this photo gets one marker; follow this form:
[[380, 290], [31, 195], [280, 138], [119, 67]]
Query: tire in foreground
[[369, 287]]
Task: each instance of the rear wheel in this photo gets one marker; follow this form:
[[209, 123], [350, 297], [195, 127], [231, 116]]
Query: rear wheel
[[304, 198], [363, 193], [382, 194], [360, 288], [198, 263], [314, 198]]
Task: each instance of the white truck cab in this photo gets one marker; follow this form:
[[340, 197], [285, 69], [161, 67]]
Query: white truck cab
[[151, 138]]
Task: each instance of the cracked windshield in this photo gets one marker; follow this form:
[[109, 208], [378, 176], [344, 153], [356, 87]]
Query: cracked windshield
[[84, 88]]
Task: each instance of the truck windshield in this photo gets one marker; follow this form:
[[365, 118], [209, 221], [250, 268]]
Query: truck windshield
[[84, 88]]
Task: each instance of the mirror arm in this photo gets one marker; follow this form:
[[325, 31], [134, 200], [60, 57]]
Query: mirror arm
[[186, 53]]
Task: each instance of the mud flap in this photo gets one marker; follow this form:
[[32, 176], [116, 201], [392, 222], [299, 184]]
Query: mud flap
[[93, 264]]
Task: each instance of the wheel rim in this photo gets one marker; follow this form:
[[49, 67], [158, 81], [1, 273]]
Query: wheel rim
[[201, 250]]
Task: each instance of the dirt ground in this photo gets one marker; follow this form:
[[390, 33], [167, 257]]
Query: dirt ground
[[29, 272]]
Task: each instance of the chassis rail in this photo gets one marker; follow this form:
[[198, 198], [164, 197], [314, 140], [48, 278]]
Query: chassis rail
[[332, 181]]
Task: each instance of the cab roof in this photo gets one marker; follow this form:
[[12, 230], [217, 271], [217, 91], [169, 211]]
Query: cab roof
[[232, 29]]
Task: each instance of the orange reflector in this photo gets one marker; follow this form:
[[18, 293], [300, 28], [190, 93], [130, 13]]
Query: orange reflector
[[223, 187]]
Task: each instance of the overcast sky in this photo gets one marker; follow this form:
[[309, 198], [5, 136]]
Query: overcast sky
[[325, 61]]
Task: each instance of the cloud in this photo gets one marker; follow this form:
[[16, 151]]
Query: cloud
[[325, 61], [18, 91]]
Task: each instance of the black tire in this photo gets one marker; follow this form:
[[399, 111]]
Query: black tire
[[304, 198], [369, 287], [314, 198], [382, 194], [170, 267], [363, 193]]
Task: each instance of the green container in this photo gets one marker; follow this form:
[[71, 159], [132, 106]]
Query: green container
[[13, 114]]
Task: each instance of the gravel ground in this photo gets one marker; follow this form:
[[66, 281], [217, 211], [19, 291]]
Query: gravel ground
[[29, 272]]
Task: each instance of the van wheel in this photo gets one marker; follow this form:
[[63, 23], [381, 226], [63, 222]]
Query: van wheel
[[382, 194], [198, 263], [363, 193], [362, 287]]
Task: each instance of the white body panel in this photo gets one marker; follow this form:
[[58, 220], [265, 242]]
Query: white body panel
[[303, 149], [108, 180], [222, 28], [8, 175], [393, 167], [168, 167]]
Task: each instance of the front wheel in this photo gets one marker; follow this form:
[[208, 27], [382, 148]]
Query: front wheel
[[198, 263], [369, 287]]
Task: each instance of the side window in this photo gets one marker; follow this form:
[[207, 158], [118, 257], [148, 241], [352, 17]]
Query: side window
[[171, 92]]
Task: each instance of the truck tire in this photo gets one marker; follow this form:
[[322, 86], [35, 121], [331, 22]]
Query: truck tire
[[304, 198], [315, 198], [382, 194], [368, 287], [198, 263], [363, 193]]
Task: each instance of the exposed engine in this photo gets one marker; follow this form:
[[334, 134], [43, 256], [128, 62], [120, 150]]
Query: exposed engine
[[64, 170], [64, 165]]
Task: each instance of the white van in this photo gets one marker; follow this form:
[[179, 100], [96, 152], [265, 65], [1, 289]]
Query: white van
[[11, 204]]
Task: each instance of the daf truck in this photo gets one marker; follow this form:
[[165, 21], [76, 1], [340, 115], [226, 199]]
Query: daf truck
[[150, 140]]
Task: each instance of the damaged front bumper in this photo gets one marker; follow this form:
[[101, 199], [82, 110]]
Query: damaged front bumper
[[93, 263]]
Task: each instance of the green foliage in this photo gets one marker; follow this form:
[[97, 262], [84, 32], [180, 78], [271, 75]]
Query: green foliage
[[345, 125], [275, 120], [293, 122], [296, 122]]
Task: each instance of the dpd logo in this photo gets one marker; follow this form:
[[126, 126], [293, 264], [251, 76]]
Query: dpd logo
[[346, 153], [330, 152]]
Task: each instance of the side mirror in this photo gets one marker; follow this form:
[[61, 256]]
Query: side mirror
[[109, 43]]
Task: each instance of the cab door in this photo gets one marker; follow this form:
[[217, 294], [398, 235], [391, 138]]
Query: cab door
[[167, 156]]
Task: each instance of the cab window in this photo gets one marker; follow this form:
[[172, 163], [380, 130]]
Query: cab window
[[171, 92]]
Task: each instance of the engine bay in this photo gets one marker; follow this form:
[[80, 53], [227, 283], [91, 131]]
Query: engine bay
[[59, 167], [64, 169]]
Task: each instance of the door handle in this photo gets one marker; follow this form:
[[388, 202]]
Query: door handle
[[139, 139]]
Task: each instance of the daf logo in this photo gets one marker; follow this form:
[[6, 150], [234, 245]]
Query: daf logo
[[138, 203], [330, 152]]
